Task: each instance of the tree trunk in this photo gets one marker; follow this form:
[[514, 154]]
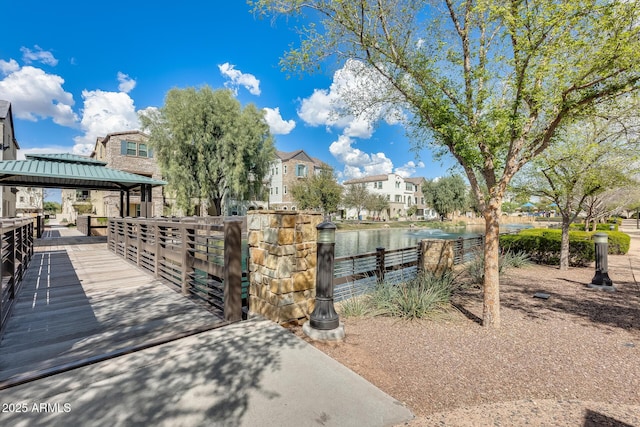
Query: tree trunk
[[491, 285], [564, 244], [217, 205]]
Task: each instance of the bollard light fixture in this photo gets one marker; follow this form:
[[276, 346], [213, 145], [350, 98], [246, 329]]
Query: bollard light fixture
[[326, 232], [600, 238]]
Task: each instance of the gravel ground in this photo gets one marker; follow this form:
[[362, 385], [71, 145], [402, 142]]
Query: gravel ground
[[570, 360]]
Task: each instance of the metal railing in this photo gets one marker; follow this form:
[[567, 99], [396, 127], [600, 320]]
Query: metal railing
[[203, 257], [359, 274], [16, 237]]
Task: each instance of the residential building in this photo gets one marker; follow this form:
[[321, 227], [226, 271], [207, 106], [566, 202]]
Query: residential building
[[126, 151], [29, 201], [9, 152], [402, 193], [288, 169]]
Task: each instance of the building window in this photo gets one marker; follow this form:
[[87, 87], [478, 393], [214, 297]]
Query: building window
[[379, 185], [301, 170], [284, 169], [82, 195], [397, 184], [422, 200], [276, 190], [398, 198], [132, 148], [276, 171], [409, 186], [284, 190], [21, 199]]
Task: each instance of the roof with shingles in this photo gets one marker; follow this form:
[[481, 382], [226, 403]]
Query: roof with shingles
[[371, 178], [69, 171]]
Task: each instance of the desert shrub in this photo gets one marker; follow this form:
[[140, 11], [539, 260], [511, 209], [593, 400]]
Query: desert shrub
[[356, 306], [475, 267], [417, 298]]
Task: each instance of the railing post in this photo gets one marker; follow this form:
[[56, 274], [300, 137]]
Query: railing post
[[233, 270], [88, 225], [141, 226], [188, 241], [158, 255], [380, 267]]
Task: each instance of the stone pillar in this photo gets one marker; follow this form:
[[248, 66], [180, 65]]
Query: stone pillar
[[282, 264], [436, 256]]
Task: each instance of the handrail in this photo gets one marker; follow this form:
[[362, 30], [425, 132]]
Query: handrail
[[201, 257], [16, 236]]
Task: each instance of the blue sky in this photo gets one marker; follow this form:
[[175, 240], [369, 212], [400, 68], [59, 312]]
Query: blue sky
[[76, 70]]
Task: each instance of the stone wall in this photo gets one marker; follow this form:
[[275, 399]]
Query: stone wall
[[436, 255], [282, 264]]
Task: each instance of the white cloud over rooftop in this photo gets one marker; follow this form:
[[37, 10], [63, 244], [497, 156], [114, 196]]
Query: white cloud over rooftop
[[237, 78]]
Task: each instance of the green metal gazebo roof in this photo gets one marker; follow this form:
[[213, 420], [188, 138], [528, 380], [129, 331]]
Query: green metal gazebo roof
[[69, 171]]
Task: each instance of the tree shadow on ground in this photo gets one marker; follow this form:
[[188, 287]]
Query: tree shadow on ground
[[206, 379], [596, 419]]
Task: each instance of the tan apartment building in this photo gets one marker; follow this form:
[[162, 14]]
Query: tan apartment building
[[126, 151], [287, 170], [9, 152]]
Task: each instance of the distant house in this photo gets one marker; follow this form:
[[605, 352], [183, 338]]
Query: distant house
[[9, 152], [402, 193], [29, 201], [286, 170]]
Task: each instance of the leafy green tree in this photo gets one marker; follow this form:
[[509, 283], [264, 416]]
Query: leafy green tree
[[209, 147], [489, 82], [446, 195], [50, 206], [376, 203], [590, 158], [356, 196], [318, 191]]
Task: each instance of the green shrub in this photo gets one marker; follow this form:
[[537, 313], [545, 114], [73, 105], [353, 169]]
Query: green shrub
[[418, 298], [599, 227], [543, 245]]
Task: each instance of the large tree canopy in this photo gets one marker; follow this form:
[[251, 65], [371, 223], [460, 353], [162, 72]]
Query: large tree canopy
[[446, 195], [318, 191], [489, 81], [209, 147]]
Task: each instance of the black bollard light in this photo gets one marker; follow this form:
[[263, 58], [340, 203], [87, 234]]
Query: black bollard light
[[324, 316], [601, 279]]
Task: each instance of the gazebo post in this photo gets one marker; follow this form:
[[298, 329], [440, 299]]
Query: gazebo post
[[127, 209], [121, 204]]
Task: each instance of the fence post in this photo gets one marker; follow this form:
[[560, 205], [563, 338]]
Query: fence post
[[233, 270], [188, 246], [88, 225], [141, 226], [380, 267], [158, 255]]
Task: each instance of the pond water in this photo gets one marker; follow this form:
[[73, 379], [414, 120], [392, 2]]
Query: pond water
[[363, 241]]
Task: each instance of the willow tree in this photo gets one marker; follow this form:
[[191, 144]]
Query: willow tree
[[489, 81], [208, 147]]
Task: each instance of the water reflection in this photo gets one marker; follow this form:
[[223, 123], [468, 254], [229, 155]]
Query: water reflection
[[363, 241]]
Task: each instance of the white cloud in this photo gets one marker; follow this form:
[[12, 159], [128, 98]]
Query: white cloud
[[277, 125], [238, 78], [126, 83], [357, 98], [8, 67], [35, 94], [357, 162], [408, 169], [38, 55], [103, 113]]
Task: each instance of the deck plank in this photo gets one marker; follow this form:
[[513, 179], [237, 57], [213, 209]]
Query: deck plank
[[79, 300]]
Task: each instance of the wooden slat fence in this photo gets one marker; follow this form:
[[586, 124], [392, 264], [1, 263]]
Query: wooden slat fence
[[17, 250], [465, 248], [204, 257]]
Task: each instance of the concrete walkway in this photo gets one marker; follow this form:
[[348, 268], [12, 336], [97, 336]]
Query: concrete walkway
[[252, 373]]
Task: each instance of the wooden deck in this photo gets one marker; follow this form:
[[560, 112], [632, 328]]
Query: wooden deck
[[79, 301]]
